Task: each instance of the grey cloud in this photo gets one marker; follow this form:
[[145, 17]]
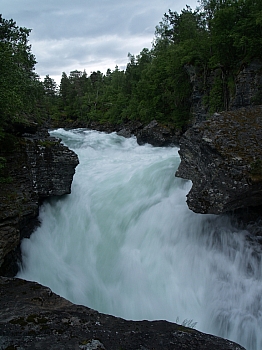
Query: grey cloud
[[88, 34]]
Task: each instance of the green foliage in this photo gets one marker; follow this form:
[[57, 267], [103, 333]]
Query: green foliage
[[4, 178], [2, 163], [219, 37], [257, 99], [234, 31], [20, 88], [216, 95], [154, 86], [256, 167]]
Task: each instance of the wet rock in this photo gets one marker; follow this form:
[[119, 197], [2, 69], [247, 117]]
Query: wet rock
[[130, 128], [158, 135], [51, 166], [32, 317], [104, 127], [223, 158], [125, 132]]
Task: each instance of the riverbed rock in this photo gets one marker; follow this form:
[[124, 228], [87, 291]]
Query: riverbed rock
[[158, 135], [130, 128], [222, 156], [37, 167], [33, 317]]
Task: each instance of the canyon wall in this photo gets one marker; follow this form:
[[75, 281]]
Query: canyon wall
[[37, 167]]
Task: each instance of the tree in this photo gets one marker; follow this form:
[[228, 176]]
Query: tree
[[50, 98], [19, 85], [50, 86]]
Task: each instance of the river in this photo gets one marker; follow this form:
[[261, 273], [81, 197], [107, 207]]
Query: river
[[125, 243]]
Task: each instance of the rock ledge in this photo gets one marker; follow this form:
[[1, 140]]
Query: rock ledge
[[32, 317]]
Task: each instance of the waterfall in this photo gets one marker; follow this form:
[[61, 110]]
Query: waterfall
[[125, 243]]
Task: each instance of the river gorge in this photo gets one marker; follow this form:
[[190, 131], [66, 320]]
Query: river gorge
[[125, 243]]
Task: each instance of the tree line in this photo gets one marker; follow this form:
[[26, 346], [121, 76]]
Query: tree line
[[219, 36]]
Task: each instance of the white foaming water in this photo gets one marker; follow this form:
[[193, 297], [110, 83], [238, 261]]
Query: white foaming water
[[125, 243]]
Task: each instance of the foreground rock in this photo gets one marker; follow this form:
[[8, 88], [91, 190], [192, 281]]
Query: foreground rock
[[37, 167], [223, 158], [32, 317]]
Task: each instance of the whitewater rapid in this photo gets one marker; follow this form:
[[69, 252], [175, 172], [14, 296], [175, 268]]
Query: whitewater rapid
[[125, 243]]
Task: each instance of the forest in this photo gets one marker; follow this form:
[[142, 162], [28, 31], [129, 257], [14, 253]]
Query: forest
[[219, 35]]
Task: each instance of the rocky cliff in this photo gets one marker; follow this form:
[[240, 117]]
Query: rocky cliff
[[37, 167], [222, 156]]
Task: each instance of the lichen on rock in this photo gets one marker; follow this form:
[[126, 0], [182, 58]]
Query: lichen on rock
[[33, 317]]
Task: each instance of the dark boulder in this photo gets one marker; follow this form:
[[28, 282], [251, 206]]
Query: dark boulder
[[130, 128], [158, 135]]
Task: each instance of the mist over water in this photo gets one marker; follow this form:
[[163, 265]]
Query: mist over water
[[125, 243]]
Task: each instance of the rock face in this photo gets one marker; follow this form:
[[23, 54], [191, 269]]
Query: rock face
[[248, 86], [37, 167], [223, 158], [52, 166], [130, 128], [32, 317], [243, 91]]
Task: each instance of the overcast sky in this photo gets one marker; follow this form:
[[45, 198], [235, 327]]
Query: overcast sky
[[88, 34]]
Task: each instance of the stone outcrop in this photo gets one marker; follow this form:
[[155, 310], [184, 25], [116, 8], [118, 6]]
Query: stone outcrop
[[130, 128], [51, 166], [154, 133], [33, 317], [158, 135], [37, 167], [222, 156]]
